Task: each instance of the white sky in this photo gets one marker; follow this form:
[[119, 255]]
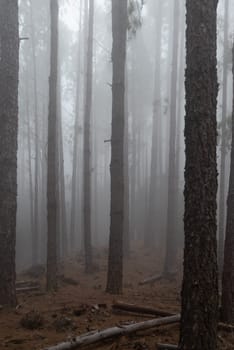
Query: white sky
[[70, 12]]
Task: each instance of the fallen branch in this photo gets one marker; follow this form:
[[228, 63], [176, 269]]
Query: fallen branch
[[129, 314], [166, 347], [97, 336], [29, 283], [27, 289], [151, 280], [140, 309], [225, 327]]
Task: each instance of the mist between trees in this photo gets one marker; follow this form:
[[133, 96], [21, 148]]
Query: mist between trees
[[155, 110], [101, 120]]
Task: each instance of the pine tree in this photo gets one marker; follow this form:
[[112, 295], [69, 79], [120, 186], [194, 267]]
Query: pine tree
[[52, 176], [87, 145], [119, 32], [9, 72], [200, 288]]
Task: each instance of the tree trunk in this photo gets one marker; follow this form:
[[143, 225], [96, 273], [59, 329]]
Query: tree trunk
[[52, 176], [87, 145], [35, 232], [61, 183], [75, 186], [29, 149], [222, 200], [170, 257], [126, 232], [150, 234], [227, 306], [115, 262], [200, 287], [9, 72], [179, 166]]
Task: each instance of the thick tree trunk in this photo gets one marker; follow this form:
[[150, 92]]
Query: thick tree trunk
[[9, 71], [115, 262], [200, 287], [87, 145], [227, 307], [52, 176], [170, 257], [222, 200]]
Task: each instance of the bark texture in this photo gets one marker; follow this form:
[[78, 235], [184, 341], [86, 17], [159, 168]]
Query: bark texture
[[200, 287], [227, 306], [9, 71], [52, 176], [115, 263]]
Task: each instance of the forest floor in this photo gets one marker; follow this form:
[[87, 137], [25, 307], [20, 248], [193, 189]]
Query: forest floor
[[81, 305]]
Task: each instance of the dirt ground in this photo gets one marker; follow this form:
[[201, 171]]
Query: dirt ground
[[81, 305]]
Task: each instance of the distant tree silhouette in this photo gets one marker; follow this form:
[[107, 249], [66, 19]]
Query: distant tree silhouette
[[52, 175], [119, 32]]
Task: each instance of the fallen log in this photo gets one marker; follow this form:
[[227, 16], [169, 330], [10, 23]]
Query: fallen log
[[140, 309], [129, 314], [27, 283], [27, 289], [166, 347], [225, 327], [98, 336], [151, 280]]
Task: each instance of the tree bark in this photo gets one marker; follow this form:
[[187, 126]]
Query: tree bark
[[200, 287], [9, 72], [115, 262], [52, 176]]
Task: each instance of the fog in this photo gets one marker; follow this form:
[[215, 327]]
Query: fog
[[149, 76]]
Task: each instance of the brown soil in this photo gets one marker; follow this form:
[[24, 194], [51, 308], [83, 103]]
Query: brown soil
[[81, 305]]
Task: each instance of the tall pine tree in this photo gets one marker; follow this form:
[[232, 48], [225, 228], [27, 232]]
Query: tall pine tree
[[200, 288]]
